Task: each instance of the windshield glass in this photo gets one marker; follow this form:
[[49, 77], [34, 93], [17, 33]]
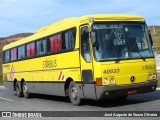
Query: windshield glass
[[121, 41]]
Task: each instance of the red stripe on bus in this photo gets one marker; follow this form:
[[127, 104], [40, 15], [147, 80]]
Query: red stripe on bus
[[60, 75]]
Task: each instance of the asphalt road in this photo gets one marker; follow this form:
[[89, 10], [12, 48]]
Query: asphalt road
[[140, 102]]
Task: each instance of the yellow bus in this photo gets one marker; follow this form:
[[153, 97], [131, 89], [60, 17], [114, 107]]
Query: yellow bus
[[90, 57]]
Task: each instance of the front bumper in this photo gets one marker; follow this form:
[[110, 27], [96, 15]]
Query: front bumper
[[112, 91]]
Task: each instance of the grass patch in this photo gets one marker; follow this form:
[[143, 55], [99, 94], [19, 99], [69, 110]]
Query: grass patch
[[1, 80]]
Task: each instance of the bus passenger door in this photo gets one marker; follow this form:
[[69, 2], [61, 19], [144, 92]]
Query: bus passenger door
[[86, 64]]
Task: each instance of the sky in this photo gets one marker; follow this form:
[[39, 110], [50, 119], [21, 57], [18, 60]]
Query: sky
[[19, 16]]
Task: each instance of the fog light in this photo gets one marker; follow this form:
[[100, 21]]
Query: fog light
[[107, 93], [111, 80], [153, 87]]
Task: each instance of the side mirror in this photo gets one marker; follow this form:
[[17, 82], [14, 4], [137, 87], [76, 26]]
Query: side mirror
[[150, 37]]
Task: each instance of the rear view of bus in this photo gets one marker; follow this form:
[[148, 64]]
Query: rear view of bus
[[123, 60]]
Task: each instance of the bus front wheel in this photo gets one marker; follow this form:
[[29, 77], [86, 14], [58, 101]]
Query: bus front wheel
[[25, 90], [73, 94]]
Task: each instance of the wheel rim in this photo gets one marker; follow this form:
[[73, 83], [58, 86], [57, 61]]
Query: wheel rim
[[25, 89], [74, 93], [17, 89]]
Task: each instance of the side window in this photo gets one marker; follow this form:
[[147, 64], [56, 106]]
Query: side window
[[38, 47], [30, 49], [21, 52], [41, 47], [13, 54], [85, 47], [7, 56], [69, 39], [44, 46], [55, 43]]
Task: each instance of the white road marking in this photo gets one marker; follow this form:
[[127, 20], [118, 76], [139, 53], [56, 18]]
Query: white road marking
[[5, 99]]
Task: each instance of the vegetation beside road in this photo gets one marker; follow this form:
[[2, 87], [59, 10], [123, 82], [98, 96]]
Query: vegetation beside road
[[1, 80], [159, 81]]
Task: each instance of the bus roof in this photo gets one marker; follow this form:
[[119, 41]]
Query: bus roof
[[72, 22]]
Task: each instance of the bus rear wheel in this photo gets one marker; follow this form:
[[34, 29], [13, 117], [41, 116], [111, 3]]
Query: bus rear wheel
[[25, 90], [73, 94], [18, 90]]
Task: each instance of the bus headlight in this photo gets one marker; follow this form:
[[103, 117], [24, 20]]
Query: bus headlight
[[111, 81], [105, 81], [152, 76], [149, 77]]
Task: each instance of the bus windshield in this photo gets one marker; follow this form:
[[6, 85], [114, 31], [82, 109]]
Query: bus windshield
[[114, 41]]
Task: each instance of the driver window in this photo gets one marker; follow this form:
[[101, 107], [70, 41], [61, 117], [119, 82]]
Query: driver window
[[85, 47]]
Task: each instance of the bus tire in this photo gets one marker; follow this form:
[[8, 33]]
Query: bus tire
[[18, 90], [25, 90], [73, 94]]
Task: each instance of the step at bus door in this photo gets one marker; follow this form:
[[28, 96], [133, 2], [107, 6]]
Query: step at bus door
[[86, 64]]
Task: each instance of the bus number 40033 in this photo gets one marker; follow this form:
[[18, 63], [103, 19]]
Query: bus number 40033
[[108, 71]]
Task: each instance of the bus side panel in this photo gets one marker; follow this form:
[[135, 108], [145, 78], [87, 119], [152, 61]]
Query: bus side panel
[[46, 88], [8, 85], [45, 75]]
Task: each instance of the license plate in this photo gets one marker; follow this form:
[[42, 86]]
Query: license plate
[[131, 92]]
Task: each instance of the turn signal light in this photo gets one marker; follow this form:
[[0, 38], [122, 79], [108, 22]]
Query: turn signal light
[[98, 81]]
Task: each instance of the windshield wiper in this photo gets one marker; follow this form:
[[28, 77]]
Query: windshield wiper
[[144, 59], [117, 58], [137, 52]]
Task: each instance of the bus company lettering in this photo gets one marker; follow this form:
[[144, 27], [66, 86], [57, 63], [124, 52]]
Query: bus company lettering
[[148, 67], [49, 63]]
